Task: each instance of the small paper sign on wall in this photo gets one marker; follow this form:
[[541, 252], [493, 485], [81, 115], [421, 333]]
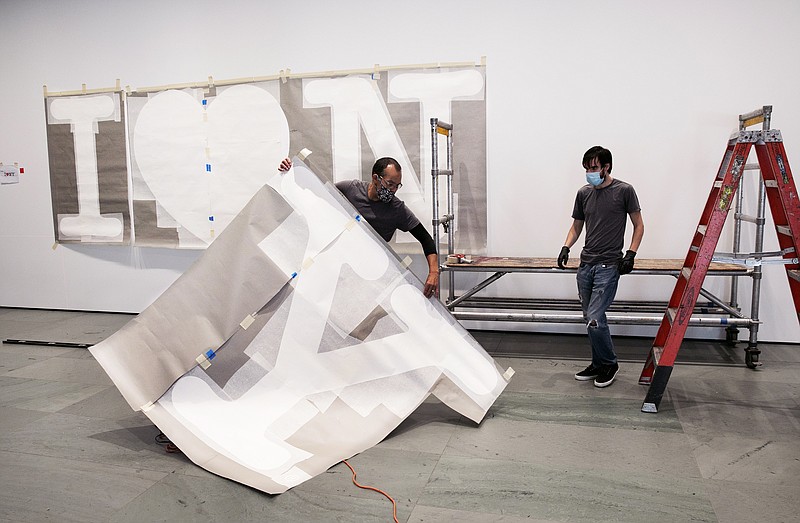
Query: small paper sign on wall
[[9, 174]]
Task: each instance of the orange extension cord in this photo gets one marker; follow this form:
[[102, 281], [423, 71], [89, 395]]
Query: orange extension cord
[[379, 491]]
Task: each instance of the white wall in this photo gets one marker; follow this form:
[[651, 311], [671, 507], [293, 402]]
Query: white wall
[[659, 83]]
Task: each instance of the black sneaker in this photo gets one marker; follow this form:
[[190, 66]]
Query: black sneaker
[[606, 376], [589, 373]]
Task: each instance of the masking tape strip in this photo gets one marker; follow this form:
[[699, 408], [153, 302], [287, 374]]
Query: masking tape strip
[[210, 90], [753, 121], [351, 224], [83, 90], [283, 75], [308, 262], [55, 244], [205, 359], [406, 262], [508, 373], [247, 321], [303, 154], [203, 362], [147, 406]]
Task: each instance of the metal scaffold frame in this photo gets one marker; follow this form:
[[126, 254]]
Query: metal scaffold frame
[[757, 257], [715, 312], [444, 129]]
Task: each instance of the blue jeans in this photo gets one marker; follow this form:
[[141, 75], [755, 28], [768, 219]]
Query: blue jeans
[[597, 286]]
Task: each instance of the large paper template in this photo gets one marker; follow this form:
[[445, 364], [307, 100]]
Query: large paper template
[[297, 340], [88, 168], [198, 154]]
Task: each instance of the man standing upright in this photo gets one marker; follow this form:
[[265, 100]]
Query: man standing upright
[[603, 205]]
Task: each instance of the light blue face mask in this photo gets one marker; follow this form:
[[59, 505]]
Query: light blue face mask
[[593, 178]]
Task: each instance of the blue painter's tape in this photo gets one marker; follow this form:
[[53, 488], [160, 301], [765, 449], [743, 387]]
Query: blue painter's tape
[[210, 354], [205, 102], [211, 218], [358, 217], [724, 321], [208, 167], [294, 274]]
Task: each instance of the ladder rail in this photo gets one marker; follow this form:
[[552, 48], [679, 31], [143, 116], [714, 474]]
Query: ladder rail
[[685, 296], [784, 204]]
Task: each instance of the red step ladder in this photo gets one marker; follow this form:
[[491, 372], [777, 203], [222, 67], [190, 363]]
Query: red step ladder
[[785, 206]]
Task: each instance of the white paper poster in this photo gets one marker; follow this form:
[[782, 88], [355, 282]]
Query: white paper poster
[[297, 340]]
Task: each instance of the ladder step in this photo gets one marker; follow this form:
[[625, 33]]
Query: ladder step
[[771, 184], [783, 229], [694, 248], [686, 272], [671, 313], [718, 184], [702, 229], [794, 274], [657, 352]]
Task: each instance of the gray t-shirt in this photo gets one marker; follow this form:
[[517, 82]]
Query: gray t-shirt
[[605, 212], [385, 218]]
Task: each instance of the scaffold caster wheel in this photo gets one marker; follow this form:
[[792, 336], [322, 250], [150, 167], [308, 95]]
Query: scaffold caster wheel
[[751, 358], [731, 335]]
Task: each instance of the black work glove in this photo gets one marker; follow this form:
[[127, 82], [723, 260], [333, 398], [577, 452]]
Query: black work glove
[[563, 257], [626, 263]]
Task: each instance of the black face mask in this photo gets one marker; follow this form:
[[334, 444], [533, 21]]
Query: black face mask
[[384, 194]]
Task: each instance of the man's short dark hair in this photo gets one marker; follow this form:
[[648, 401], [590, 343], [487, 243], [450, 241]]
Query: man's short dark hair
[[382, 163], [602, 154]]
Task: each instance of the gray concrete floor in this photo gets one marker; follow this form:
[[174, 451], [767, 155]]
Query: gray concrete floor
[[725, 445]]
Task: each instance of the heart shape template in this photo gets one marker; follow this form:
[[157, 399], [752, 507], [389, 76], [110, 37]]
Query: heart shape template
[[242, 136]]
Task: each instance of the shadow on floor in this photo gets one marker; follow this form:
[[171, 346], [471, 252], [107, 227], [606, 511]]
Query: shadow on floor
[[629, 348]]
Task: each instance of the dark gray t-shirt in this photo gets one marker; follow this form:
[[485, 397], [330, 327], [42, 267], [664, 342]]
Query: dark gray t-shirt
[[385, 218], [605, 212]]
